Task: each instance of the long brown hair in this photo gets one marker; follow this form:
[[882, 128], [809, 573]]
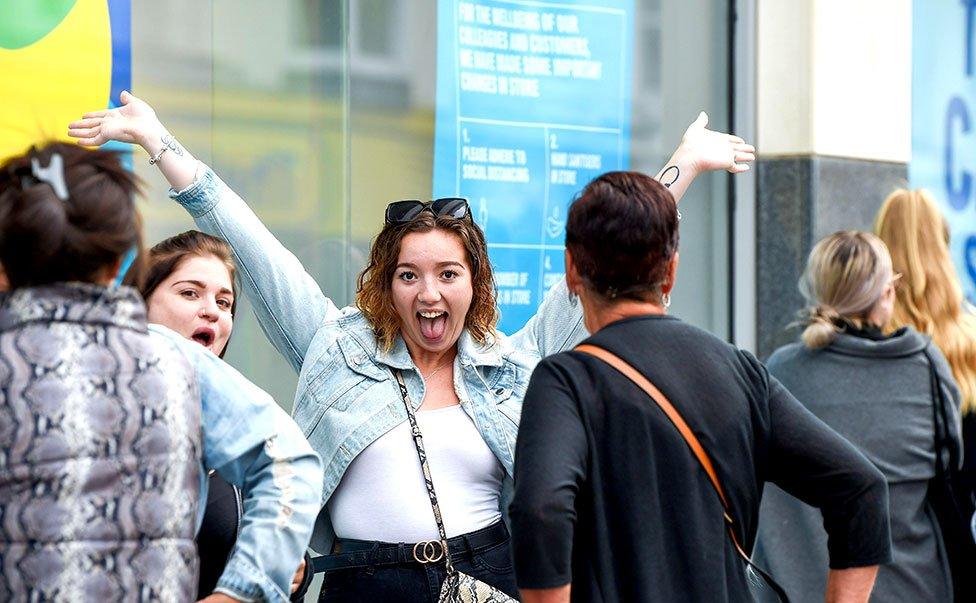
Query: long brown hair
[[48, 240], [374, 295], [929, 297]]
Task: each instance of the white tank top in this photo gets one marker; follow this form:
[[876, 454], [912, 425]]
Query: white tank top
[[382, 495]]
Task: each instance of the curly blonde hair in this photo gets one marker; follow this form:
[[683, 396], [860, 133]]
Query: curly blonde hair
[[929, 297], [374, 295]]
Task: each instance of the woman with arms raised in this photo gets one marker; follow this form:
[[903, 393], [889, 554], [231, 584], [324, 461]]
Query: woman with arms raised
[[425, 314], [107, 424]]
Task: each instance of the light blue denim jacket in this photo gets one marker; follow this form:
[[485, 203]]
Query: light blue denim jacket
[[251, 442], [346, 396]]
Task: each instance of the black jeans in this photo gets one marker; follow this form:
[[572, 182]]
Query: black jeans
[[379, 571]]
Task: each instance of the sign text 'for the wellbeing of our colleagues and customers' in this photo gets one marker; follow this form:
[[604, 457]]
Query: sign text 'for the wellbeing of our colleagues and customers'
[[533, 101]]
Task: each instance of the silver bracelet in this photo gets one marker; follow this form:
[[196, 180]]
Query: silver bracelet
[[155, 159]]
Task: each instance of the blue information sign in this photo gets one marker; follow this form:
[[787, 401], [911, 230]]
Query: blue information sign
[[944, 120], [533, 101]]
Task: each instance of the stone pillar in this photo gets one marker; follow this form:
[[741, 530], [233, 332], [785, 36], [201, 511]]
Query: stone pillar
[[833, 121]]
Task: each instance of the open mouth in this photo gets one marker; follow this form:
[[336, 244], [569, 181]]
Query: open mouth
[[204, 336], [433, 324]]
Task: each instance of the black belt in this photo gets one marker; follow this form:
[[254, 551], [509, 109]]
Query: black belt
[[349, 553]]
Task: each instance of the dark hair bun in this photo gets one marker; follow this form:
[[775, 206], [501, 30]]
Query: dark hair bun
[[44, 239]]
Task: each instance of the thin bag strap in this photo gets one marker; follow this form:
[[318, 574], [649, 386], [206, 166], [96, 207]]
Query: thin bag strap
[[940, 422], [673, 415], [936, 400], [418, 440], [690, 439]]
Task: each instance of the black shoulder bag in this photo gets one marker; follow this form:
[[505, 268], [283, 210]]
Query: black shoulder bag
[[950, 499]]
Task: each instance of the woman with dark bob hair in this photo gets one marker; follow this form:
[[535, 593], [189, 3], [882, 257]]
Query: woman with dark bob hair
[[189, 287], [108, 423], [417, 354], [611, 500]]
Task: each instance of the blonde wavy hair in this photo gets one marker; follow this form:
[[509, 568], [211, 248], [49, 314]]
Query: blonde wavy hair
[[845, 278], [930, 297], [374, 294]]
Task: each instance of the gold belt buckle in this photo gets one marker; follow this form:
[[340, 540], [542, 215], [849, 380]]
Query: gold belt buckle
[[428, 551]]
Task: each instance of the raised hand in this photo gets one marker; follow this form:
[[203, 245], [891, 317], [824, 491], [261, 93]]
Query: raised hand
[[136, 122], [709, 150], [704, 150], [133, 122]]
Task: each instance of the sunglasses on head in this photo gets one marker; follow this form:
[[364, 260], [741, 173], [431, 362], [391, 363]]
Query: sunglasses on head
[[400, 212]]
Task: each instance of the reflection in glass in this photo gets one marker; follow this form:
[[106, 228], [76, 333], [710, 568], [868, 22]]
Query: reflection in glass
[[320, 112]]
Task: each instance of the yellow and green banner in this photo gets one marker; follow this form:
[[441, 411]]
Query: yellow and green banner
[[58, 59]]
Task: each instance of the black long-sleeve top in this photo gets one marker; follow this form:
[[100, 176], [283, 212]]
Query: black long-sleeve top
[[609, 497], [218, 533]]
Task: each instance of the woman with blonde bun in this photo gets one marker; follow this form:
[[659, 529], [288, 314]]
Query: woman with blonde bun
[[876, 390]]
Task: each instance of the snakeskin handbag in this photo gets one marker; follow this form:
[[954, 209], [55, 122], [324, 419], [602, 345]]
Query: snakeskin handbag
[[458, 587]]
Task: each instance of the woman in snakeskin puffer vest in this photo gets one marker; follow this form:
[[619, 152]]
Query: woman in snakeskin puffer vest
[[100, 441], [107, 424], [100, 427]]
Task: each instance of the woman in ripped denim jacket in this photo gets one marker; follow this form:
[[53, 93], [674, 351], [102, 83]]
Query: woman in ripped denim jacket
[[425, 317]]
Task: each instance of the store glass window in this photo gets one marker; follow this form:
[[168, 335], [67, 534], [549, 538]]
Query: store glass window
[[319, 113]]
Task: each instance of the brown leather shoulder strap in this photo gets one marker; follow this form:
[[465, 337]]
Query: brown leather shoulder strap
[[676, 419]]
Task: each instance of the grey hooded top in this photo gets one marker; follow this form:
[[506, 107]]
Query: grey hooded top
[[878, 395]]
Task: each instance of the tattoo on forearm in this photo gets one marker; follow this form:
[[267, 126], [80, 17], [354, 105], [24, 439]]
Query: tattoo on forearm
[[663, 179], [172, 144]]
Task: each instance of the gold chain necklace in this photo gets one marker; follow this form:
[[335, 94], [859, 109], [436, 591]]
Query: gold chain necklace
[[436, 370]]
